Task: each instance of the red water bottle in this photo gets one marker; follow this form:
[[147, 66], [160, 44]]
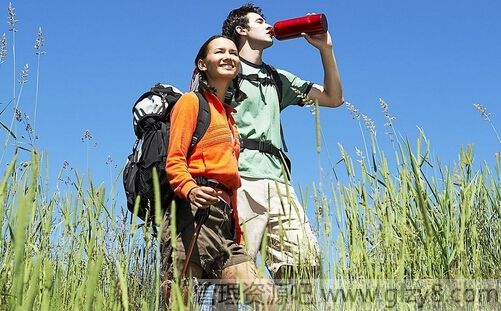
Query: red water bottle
[[311, 24]]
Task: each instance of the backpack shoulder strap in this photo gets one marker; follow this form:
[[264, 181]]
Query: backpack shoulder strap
[[276, 79], [203, 121], [279, 87]]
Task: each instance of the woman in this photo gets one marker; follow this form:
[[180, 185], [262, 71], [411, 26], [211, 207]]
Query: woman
[[206, 178]]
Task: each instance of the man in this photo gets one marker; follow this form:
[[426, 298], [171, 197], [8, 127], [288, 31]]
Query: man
[[267, 204]]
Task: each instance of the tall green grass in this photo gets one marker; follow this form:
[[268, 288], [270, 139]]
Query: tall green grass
[[70, 250], [73, 249], [413, 224], [413, 220]]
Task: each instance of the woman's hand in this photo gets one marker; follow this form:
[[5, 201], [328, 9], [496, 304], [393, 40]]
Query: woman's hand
[[203, 197]]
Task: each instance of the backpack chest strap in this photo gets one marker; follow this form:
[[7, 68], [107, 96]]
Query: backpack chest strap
[[255, 78], [265, 147]]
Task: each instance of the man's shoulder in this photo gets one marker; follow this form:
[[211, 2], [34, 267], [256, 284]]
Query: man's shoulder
[[249, 66], [269, 66]]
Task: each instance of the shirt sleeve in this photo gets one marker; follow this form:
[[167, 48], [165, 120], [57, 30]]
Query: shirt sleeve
[[183, 122], [294, 89]]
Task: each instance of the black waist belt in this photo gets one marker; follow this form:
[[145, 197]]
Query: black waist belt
[[209, 182], [266, 147]]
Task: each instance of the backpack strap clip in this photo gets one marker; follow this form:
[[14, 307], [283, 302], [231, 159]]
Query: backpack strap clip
[[266, 147]]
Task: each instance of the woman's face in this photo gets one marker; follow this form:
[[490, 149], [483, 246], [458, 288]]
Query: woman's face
[[221, 62]]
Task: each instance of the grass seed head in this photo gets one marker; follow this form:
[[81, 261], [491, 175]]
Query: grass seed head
[[39, 42], [3, 48], [24, 74], [355, 113], [483, 112], [87, 136], [369, 124], [12, 17], [19, 115], [386, 111]]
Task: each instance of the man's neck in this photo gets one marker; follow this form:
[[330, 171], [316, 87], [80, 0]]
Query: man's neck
[[252, 55]]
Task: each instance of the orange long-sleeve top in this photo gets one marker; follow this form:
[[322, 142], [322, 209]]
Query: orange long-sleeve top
[[214, 156]]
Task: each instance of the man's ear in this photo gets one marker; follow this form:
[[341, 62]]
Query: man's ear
[[241, 30], [201, 65]]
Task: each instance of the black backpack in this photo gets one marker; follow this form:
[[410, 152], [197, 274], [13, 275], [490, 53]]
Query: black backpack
[[152, 126]]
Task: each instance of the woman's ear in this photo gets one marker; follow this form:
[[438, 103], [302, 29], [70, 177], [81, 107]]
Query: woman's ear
[[201, 65]]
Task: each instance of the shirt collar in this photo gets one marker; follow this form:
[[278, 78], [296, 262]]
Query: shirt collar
[[243, 60], [213, 98]]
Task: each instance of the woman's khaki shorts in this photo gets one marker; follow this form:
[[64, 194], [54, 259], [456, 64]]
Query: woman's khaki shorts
[[215, 248]]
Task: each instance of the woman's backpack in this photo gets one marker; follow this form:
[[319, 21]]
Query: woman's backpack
[[151, 122]]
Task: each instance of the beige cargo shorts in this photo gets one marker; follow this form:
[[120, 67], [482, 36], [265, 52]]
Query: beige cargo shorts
[[270, 211]]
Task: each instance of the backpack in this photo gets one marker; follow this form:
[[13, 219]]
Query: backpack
[[151, 123]]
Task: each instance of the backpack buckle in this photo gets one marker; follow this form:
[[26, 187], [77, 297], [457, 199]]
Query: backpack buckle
[[264, 146], [260, 146]]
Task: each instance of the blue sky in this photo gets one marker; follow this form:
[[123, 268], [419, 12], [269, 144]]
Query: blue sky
[[429, 60]]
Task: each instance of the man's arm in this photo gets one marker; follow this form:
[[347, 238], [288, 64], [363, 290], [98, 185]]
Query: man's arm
[[331, 93]]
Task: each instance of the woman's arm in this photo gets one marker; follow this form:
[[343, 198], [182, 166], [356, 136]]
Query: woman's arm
[[183, 122]]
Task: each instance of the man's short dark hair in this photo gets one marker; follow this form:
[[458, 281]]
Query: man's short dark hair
[[238, 17]]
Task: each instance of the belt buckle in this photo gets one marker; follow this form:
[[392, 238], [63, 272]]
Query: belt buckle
[[212, 183]]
